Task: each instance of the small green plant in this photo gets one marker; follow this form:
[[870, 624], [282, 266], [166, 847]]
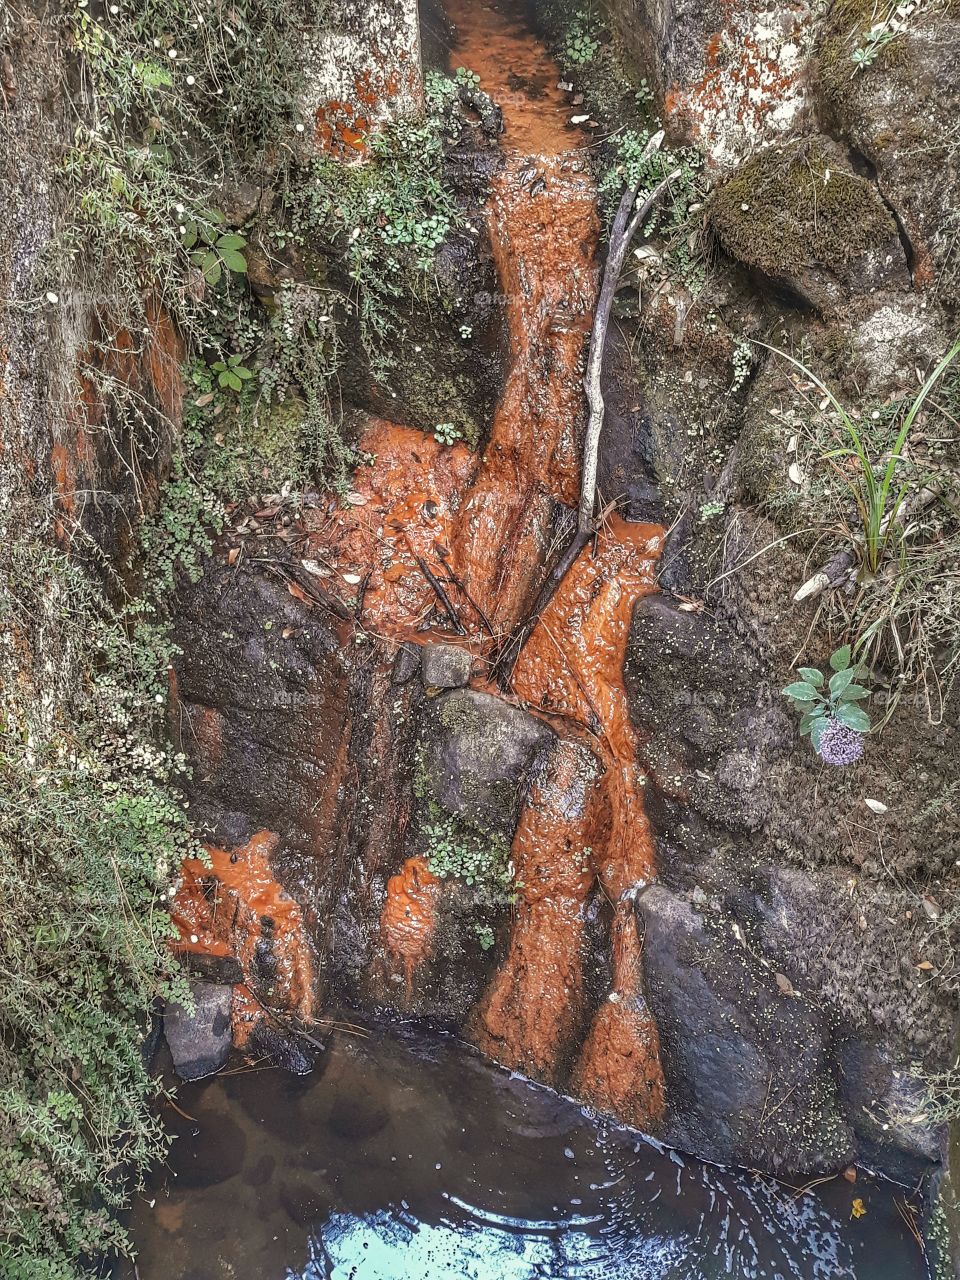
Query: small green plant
[[877, 497], [440, 91], [710, 510], [218, 250], [485, 936], [673, 219], [874, 41], [581, 45], [478, 858], [447, 433], [644, 96], [823, 706], [467, 78], [231, 373]]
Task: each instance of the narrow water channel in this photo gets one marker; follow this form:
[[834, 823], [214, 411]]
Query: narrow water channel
[[409, 1157]]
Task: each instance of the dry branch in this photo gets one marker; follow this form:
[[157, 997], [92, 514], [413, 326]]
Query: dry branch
[[628, 221]]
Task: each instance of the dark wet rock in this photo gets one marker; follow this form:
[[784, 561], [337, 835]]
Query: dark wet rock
[[354, 1117], [200, 1039], [847, 942], [262, 717], [886, 1105], [709, 722], [808, 226], [899, 113], [625, 464], [206, 1164], [224, 969], [444, 666], [476, 750], [407, 663], [443, 362], [748, 1076], [284, 1049]]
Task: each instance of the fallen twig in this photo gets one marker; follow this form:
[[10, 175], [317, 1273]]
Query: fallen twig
[[441, 595]]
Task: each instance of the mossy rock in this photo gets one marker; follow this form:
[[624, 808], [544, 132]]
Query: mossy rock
[[900, 113], [798, 217]]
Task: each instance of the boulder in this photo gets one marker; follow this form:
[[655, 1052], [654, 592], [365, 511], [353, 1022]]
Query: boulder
[[885, 1103], [899, 111], [748, 1077], [475, 753], [732, 77], [710, 726], [813, 230], [200, 1039]]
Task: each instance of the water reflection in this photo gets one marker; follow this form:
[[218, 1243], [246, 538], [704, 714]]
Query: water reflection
[[408, 1158]]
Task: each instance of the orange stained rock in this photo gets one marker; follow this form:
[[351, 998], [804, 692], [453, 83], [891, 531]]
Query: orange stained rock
[[543, 228], [233, 905], [619, 1067], [573, 664], [531, 1011], [409, 916], [408, 500]]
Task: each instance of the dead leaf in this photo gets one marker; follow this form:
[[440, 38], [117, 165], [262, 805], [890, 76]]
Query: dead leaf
[[316, 568], [356, 499], [785, 985], [233, 555], [353, 579], [931, 906], [298, 593], [579, 119], [795, 474], [925, 965], [877, 806], [858, 1208], [202, 401], [266, 513], [287, 632]]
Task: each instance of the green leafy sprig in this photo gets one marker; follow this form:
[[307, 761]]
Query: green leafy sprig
[[819, 701]]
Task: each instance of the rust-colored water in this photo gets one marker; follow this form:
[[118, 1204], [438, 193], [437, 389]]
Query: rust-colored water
[[483, 529], [493, 41], [409, 916], [234, 907]]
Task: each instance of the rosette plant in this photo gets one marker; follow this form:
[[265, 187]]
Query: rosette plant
[[829, 710]]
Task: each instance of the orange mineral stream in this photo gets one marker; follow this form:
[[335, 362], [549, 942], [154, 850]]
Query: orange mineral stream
[[483, 528]]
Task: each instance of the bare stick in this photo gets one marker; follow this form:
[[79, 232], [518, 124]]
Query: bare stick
[[442, 596], [624, 229]]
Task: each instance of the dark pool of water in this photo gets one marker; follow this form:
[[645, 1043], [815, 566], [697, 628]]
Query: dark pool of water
[[406, 1157]]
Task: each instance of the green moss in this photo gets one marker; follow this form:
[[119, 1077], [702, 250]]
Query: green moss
[[845, 30], [791, 208]]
